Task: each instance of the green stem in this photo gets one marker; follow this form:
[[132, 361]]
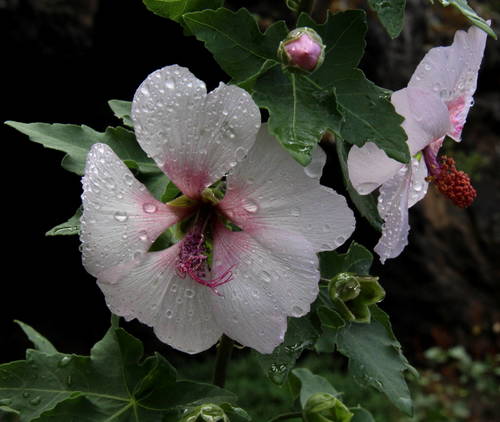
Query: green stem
[[224, 351], [290, 415]]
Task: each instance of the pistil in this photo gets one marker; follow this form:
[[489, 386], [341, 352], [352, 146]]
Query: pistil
[[452, 183], [193, 259]]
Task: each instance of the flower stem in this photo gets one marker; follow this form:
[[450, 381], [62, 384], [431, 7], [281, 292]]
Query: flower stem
[[290, 415], [224, 351]]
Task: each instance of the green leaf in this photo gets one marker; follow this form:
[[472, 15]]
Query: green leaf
[[170, 193], [366, 204], [304, 383], [68, 228], [375, 359], [357, 260], [122, 110], [76, 142], [176, 9], [361, 415], [300, 111], [368, 113], [39, 341], [236, 42], [391, 13], [471, 15], [113, 383], [300, 335]]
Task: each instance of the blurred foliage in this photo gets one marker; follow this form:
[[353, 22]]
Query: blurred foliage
[[452, 387]]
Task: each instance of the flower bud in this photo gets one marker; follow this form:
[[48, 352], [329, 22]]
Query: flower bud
[[352, 295], [323, 407], [302, 50], [205, 413], [344, 286]]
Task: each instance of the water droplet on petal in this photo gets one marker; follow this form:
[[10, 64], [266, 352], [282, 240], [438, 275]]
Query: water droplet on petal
[[250, 206], [169, 83], [143, 236], [295, 212], [169, 313], [149, 208], [240, 153], [265, 276], [121, 216]]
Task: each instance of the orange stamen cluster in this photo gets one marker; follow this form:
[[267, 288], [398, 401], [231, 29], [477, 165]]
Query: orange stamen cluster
[[454, 184]]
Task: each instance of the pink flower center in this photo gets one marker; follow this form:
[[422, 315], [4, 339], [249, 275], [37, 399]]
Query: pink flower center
[[193, 259], [452, 183]]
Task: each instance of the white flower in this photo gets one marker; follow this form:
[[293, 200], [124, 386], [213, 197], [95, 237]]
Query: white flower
[[434, 104], [259, 275]]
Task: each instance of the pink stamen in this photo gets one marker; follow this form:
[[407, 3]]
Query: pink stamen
[[192, 261]]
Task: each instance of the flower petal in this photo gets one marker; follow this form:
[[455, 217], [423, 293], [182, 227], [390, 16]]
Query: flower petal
[[426, 119], [369, 167], [120, 218], [271, 190], [178, 309], [272, 278], [418, 187], [426, 116], [393, 208], [194, 138], [451, 72]]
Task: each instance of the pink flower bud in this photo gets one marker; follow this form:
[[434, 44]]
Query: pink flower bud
[[302, 49]]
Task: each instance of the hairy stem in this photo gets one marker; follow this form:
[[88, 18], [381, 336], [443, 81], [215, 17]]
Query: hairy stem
[[283, 416], [224, 351]]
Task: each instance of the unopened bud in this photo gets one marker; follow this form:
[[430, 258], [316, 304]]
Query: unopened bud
[[205, 413], [344, 286], [323, 407], [302, 50], [352, 295]]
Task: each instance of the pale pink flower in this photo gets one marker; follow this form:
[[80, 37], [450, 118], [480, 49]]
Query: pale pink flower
[[434, 104], [260, 275]]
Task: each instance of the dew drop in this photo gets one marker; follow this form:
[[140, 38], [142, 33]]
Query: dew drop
[[240, 153], [143, 236], [189, 293], [129, 179], [35, 401], [250, 206], [65, 361], [169, 83], [121, 216], [295, 212], [149, 208], [169, 313], [265, 276]]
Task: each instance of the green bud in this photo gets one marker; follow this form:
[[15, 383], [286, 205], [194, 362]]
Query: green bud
[[344, 286], [352, 295], [205, 413], [302, 50], [323, 407]]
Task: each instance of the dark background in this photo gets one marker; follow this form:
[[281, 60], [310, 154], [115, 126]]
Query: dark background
[[63, 60]]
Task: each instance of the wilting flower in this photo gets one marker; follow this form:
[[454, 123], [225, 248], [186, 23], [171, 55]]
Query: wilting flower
[[434, 104], [247, 259]]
